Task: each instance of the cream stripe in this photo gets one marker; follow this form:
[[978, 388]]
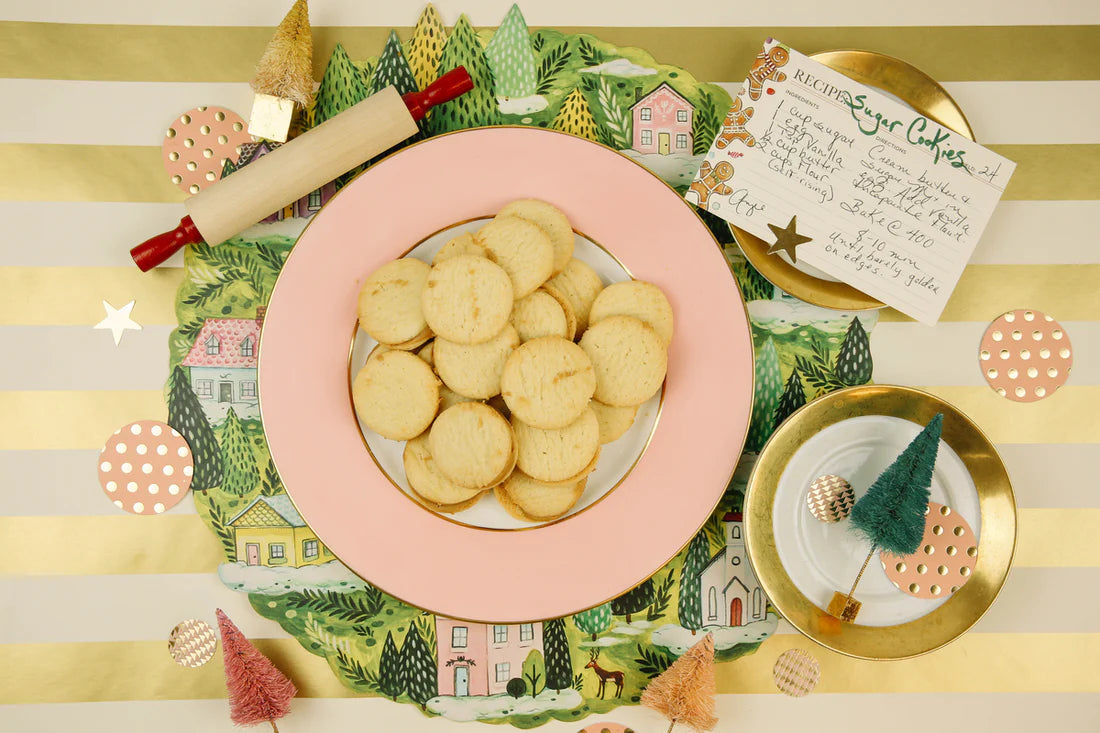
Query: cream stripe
[[1052, 476], [949, 353], [65, 420], [1066, 292], [32, 172], [973, 663], [126, 545], [31, 296], [211, 53], [99, 234], [155, 603], [744, 712], [561, 12], [1067, 416], [992, 108]]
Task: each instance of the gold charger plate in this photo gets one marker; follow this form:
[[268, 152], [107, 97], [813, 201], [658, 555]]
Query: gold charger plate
[[995, 500], [912, 86]]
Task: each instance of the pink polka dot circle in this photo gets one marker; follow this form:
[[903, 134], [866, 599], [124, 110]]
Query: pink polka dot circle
[[146, 467]]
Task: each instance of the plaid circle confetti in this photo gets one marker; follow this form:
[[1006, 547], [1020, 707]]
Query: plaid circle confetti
[[796, 673], [1025, 355], [192, 643], [945, 560], [830, 498], [146, 467]]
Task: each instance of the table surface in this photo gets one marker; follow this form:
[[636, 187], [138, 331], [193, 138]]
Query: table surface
[[87, 596]]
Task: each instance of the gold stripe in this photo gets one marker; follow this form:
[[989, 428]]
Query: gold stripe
[[217, 54], [1052, 172], [47, 172], [45, 420], [1066, 292], [71, 296], [1057, 538], [50, 172], [68, 296], [1068, 416], [142, 670], [107, 545], [125, 545]]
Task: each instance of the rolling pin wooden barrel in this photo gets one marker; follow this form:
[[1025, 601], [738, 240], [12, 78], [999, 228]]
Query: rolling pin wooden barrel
[[307, 162]]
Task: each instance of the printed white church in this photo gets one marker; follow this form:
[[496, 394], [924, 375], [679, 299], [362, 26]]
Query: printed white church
[[731, 594]]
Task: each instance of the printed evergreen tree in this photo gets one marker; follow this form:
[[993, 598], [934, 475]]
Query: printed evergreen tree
[[392, 69], [477, 107], [769, 388], [511, 57], [185, 415], [426, 47], [793, 398], [575, 117], [633, 601], [341, 87], [272, 484], [594, 620], [853, 361], [239, 464], [690, 605], [559, 665], [418, 668], [534, 671], [390, 682]]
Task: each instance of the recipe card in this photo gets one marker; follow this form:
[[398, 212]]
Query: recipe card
[[842, 177]]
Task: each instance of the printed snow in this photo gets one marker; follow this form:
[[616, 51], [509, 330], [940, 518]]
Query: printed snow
[[216, 412], [522, 105], [604, 641], [678, 640], [291, 227], [331, 575], [784, 314], [466, 709], [619, 67], [676, 169], [629, 631]]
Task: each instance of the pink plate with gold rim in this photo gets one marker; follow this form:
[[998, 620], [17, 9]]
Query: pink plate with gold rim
[[447, 566]]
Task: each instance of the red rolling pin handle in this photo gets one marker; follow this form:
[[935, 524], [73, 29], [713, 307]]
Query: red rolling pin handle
[[155, 251]]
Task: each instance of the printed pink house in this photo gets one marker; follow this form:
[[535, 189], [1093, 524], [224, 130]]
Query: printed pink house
[[479, 659], [304, 207], [222, 366], [662, 122]]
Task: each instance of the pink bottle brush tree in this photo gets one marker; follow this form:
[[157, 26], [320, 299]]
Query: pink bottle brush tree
[[258, 691]]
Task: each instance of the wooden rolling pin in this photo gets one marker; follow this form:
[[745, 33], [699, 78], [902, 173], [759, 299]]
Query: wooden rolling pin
[[307, 162]]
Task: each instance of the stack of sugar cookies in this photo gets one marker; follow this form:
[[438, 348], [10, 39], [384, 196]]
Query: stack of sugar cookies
[[506, 364]]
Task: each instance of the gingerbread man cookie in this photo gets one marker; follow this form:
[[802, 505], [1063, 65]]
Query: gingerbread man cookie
[[711, 180], [765, 67], [733, 127]]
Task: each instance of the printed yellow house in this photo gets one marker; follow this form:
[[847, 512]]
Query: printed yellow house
[[270, 531]]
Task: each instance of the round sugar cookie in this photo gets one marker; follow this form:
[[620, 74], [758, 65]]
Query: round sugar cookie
[[579, 284], [645, 301], [567, 308], [463, 244], [414, 343], [555, 455], [521, 248], [425, 478], [474, 370], [389, 301], [472, 445], [396, 395], [549, 219], [467, 299], [448, 508], [448, 397], [614, 421], [548, 382], [629, 359], [425, 352], [540, 314], [531, 500]]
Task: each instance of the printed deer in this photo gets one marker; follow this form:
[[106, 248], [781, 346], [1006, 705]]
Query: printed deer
[[605, 675]]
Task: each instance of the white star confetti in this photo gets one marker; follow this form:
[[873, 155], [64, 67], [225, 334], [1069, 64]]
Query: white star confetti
[[118, 320]]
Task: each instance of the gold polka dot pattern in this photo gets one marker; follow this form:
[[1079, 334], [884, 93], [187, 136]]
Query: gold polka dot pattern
[[945, 560], [198, 144], [146, 467], [1025, 355]]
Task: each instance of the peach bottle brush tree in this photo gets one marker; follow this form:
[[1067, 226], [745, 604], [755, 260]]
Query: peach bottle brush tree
[[684, 693], [258, 691], [890, 516]]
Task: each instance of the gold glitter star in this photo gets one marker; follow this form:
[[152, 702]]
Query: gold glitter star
[[786, 239]]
